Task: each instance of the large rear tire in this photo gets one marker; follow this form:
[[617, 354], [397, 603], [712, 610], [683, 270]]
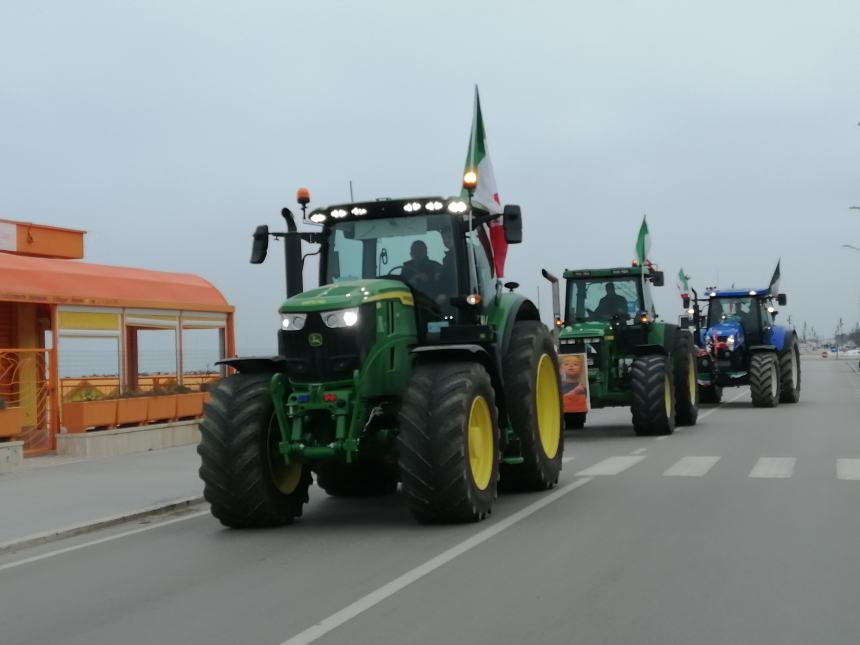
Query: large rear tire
[[686, 386], [764, 380], [449, 443], [246, 480], [533, 396], [653, 404], [789, 371], [361, 479]]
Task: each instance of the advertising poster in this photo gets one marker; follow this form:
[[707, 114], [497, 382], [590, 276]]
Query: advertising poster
[[574, 382]]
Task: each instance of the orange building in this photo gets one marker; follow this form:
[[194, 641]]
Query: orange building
[[47, 294]]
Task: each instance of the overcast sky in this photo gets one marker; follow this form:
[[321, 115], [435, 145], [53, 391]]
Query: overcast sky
[[169, 130]]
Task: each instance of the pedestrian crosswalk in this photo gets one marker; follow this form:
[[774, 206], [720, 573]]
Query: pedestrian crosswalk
[[700, 466]]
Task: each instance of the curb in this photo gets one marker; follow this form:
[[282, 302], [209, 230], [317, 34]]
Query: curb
[[96, 525]]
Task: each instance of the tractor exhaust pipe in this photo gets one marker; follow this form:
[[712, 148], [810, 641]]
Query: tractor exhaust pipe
[[557, 320], [292, 255]]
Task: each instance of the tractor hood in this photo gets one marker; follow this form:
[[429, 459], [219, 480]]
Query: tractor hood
[[348, 294], [721, 332], [586, 330]]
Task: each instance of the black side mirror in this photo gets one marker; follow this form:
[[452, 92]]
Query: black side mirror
[[657, 278], [781, 300], [261, 245], [513, 223], [685, 302]]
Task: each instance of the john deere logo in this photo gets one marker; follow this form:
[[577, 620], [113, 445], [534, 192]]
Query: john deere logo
[[315, 340]]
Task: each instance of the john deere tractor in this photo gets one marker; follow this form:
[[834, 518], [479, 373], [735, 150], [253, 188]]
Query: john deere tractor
[[740, 344], [609, 330], [409, 364]]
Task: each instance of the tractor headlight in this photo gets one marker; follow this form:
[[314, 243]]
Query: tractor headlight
[[341, 318], [730, 342], [293, 322]]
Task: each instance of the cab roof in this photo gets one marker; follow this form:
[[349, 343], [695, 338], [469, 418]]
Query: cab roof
[[616, 272], [738, 293], [385, 207]]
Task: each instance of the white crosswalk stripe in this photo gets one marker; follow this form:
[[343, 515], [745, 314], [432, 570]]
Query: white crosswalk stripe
[[691, 467], [773, 468], [611, 466], [848, 469]]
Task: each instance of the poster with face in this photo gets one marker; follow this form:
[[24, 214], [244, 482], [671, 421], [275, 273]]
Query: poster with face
[[574, 382]]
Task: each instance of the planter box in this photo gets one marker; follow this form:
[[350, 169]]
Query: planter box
[[161, 408], [79, 416], [189, 406], [10, 422], [132, 411]]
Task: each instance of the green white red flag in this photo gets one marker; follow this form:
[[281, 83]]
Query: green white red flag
[[486, 193]]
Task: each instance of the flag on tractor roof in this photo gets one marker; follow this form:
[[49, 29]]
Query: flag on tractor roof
[[774, 281], [485, 195], [643, 243]]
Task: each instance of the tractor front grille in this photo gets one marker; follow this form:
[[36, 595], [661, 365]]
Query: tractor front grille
[[341, 351]]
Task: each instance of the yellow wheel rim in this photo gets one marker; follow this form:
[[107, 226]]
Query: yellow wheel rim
[[548, 410], [692, 382], [667, 395], [480, 437], [285, 477]]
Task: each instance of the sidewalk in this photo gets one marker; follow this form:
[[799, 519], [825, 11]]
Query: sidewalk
[[53, 493]]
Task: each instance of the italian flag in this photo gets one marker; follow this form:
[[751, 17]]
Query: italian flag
[[486, 194]]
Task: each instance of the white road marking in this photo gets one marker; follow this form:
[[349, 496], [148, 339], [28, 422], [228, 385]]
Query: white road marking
[[110, 538], [567, 460], [848, 469], [744, 392], [773, 468], [387, 590], [611, 466], [691, 467], [662, 437], [638, 451]]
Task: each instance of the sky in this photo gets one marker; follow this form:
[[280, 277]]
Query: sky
[[169, 130]]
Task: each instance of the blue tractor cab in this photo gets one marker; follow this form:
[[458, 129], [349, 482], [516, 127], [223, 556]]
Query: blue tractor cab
[[739, 343]]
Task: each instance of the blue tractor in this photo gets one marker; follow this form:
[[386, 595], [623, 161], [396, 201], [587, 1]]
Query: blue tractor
[[739, 344]]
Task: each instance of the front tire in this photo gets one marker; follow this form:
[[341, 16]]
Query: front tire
[[533, 394], [653, 404], [246, 480], [710, 393], [449, 443], [686, 386], [764, 380], [789, 371]]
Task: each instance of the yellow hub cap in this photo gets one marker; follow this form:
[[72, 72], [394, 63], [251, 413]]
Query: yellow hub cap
[[667, 395], [480, 437], [692, 382], [548, 412], [285, 477]]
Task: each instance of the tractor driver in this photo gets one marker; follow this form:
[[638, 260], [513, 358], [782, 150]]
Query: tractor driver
[[611, 305], [420, 271]]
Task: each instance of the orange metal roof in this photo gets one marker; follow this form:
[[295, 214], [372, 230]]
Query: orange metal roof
[[69, 282]]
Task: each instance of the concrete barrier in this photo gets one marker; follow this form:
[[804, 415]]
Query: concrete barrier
[[126, 441], [11, 455]]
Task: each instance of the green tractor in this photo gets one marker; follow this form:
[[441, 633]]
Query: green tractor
[[410, 364], [613, 351]]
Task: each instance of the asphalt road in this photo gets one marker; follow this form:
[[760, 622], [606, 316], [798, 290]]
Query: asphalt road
[[742, 529]]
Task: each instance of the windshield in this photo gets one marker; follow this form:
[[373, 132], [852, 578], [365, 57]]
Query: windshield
[[603, 299], [418, 250], [730, 309]]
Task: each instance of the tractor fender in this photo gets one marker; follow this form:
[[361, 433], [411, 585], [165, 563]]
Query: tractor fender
[[649, 350], [762, 348], [255, 364], [511, 308], [777, 337]]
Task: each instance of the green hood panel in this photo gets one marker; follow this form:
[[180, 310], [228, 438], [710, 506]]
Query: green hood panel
[[348, 294], [586, 330]]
